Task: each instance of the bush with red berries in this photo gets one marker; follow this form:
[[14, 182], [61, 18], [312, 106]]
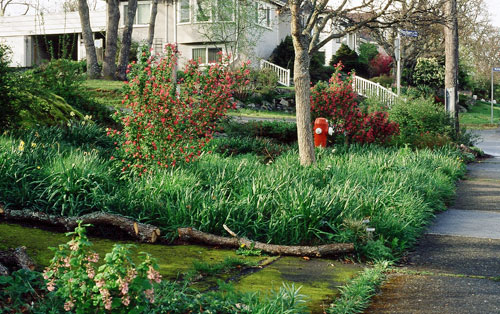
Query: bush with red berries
[[166, 123]]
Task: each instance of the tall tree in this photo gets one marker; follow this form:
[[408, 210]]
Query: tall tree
[[308, 21], [109, 62], [93, 70], [152, 23], [126, 40], [451, 53]]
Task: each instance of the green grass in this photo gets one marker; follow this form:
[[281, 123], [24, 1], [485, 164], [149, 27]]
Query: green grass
[[104, 85], [245, 112], [69, 172], [107, 92], [479, 116], [355, 296]]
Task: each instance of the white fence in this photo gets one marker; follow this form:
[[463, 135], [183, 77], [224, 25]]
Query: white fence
[[368, 88], [283, 74]]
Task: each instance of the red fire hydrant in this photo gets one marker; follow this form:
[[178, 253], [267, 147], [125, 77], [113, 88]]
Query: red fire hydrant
[[321, 130]]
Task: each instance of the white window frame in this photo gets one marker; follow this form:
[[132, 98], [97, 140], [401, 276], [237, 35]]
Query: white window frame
[[125, 11], [193, 14], [268, 23], [179, 13], [206, 53]]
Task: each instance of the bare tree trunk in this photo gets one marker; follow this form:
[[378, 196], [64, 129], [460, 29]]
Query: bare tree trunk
[[109, 62], [93, 70], [451, 52], [126, 41], [152, 23], [302, 81]]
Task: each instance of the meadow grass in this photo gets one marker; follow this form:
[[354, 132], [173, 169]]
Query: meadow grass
[[245, 112], [479, 116], [69, 172]]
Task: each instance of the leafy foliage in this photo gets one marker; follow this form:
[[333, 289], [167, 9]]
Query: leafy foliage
[[429, 72], [284, 56], [422, 122], [7, 90], [349, 58], [367, 52], [119, 285], [19, 290]]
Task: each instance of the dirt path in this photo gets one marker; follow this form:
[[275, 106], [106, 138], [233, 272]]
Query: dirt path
[[455, 267]]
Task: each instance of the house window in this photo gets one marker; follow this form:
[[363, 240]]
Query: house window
[[225, 10], [141, 15], [203, 11], [338, 40], [262, 14], [204, 54], [184, 11]]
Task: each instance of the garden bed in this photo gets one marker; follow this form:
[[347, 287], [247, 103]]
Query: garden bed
[[70, 172]]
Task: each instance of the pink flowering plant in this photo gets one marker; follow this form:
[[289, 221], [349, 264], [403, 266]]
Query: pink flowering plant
[[117, 286], [168, 122]]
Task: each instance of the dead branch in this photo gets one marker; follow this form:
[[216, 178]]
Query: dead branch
[[139, 231], [191, 234]]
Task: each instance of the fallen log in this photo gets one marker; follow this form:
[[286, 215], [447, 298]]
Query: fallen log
[[139, 231], [191, 234], [15, 259]]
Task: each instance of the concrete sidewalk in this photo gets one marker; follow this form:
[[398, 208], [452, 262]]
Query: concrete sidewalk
[[455, 268]]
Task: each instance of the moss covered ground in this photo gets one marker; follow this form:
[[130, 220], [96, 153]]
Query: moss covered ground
[[319, 279]]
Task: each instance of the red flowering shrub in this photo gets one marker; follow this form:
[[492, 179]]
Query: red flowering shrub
[[166, 123], [376, 128], [380, 65], [336, 101]]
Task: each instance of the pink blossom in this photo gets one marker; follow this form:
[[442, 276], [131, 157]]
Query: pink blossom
[[68, 305], [50, 285]]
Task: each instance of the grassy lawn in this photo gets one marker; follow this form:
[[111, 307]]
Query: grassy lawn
[[109, 92], [245, 112], [479, 116]]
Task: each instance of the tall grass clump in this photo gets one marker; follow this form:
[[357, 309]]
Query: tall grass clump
[[71, 172]]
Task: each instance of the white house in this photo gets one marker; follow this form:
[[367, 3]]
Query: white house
[[33, 38], [177, 21]]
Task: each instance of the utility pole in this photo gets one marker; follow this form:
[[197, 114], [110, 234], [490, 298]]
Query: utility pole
[[451, 66], [398, 60]]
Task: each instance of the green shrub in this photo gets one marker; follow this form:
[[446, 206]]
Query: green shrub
[[62, 77], [119, 285], [384, 80], [422, 123], [284, 56], [367, 52], [20, 290], [429, 72], [8, 90], [349, 59]]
